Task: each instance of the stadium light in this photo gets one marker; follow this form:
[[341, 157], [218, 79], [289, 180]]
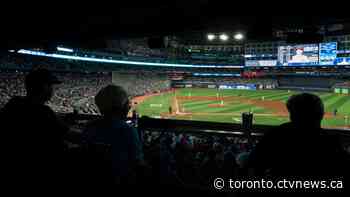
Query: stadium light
[[64, 49], [238, 36], [211, 37], [223, 37]]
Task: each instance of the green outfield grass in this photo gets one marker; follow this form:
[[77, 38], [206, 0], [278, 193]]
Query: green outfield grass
[[157, 106]]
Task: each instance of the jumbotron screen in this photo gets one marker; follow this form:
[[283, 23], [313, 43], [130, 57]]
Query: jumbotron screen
[[342, 61], [298, 55], [328, 53]]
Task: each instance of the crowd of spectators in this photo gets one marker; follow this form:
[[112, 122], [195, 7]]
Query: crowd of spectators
[[108, 153], [141, 83], [196, 159], [81, 80], [165, 158], [140, 48], [77, 90], [11, 84]]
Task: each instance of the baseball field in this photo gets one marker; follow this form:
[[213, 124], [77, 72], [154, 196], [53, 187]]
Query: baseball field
[[227, 106]]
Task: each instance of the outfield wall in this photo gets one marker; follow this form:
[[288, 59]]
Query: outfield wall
[[221, 85], [304, 88], [308, 82]]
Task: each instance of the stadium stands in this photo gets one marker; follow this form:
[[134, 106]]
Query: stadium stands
[[176, 159], [141, 83], [77, 90], [81, 81]]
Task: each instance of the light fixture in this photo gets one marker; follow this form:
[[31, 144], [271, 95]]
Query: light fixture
[[64, 49], [238, 36], [223, 37], [211, 37]]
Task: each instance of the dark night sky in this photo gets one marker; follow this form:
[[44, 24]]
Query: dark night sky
[[73, 23]]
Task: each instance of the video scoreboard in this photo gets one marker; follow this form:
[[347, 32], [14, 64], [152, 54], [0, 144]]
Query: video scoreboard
[[298, 55], [322, 54]]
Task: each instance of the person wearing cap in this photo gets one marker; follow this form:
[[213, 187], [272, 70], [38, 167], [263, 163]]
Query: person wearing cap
[[32, 135], [299, 56], [112, 130]]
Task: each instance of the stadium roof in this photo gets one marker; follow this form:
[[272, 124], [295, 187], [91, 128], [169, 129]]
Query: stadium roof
[[88, 23]]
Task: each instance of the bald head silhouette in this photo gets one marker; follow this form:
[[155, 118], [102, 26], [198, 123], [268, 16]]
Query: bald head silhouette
[[305, 110]]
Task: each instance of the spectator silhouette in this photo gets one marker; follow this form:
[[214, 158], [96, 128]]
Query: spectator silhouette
[[209, 169], [32, 134], [230, 166], [113, 132], [300, 147]]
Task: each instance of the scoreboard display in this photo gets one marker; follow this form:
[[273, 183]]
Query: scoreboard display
[[342, 61], [298, 55], [328, 53], [322, 54]]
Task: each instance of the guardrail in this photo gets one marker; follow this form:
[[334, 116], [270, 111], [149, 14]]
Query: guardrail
[[207, 128]]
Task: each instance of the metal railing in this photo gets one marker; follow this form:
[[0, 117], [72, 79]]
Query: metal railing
[[207, 128]]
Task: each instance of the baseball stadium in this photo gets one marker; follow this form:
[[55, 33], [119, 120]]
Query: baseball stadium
[[268, 106], [173, 98]]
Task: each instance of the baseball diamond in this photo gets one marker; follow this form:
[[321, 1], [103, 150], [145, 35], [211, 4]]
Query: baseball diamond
[[268, 106]]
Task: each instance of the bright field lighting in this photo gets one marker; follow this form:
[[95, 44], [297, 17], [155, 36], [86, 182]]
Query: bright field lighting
[[238, 36], [211, 36], [64, 49], [223, 37]]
